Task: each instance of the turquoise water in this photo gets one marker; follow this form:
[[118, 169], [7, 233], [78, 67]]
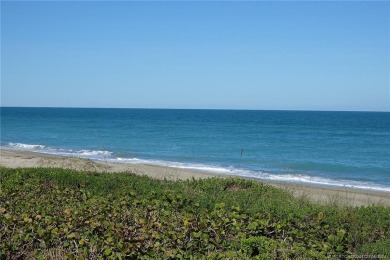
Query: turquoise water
[[327, 148]]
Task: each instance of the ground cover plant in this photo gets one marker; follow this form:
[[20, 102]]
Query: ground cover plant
[[58, 213]]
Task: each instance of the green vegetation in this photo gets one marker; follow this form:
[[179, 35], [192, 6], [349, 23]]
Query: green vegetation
[[57, 213]]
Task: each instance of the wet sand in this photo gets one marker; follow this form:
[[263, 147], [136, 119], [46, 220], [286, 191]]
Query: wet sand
[[336, 196]]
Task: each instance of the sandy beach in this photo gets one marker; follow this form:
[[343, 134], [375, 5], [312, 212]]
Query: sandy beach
[[337, 196]]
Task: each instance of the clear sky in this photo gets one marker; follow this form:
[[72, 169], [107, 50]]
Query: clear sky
[[225, 55]]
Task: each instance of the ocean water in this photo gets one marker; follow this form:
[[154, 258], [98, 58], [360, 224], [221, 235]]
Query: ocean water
[[350, 149]]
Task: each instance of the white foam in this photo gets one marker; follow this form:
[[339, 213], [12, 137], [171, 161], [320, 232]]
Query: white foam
[[27, 146], [89, 152], [310, 180], [92, 154], [288, 178], [191, 166]]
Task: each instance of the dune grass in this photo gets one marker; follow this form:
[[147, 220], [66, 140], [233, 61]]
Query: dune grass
[[56, 213]]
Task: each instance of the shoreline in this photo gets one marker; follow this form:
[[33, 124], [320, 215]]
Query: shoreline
[[322, 194]]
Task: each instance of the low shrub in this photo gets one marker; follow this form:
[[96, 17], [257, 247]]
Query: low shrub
[[69, 214]]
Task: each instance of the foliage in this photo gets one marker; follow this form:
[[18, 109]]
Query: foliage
[[46, 212], [381, 247]]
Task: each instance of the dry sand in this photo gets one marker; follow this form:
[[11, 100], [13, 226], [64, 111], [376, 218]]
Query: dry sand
[[336, 196]]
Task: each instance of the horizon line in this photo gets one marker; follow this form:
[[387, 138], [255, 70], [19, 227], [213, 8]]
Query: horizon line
[[228, 109]]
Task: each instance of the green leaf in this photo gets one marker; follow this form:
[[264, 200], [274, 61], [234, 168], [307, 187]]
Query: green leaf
[[71, 235], [197, 234], [341, 233], [320, 216], [252, 226], [107, 251]]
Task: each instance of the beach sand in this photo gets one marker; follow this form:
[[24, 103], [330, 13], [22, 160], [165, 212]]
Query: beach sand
[[336, 196]]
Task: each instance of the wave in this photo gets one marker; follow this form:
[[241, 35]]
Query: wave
[[100, 155], [91, 154], [318, 181], [189, 166], [260, 175], [27, 146]]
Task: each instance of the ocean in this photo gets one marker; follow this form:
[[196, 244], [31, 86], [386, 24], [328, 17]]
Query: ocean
[[342, 149]]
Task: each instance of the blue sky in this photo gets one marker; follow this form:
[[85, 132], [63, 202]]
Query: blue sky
[[223, 55]]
